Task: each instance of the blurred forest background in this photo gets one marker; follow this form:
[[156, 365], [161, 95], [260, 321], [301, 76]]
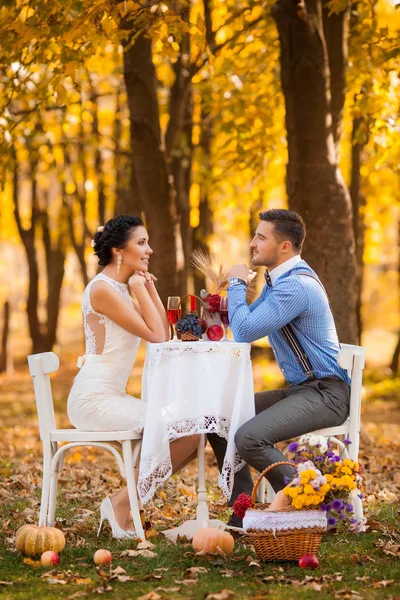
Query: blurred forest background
[[197, 114]]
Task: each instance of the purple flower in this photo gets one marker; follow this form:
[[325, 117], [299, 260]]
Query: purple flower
[[286, 480], [346, 441], [349, 507], [330, 454], [352, 521], [361, 496], [325, 507], [331, 521], [319, 458], [335, 458], [293, 447], [337, 504]]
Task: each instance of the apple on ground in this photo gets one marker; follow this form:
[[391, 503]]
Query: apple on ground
[[102, 557], [49, 558], [309, 561]]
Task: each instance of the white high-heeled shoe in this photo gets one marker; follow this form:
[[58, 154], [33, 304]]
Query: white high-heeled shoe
[[107, 514]]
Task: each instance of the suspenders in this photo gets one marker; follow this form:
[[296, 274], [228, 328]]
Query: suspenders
[[293, 342]]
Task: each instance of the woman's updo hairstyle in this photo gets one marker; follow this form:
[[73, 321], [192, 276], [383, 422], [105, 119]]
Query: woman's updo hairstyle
[[115, 234]]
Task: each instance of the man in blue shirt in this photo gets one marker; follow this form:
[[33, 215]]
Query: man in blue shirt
[[294, 312]]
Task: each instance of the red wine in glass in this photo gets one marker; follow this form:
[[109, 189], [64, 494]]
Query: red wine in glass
[[174, 312], [173, 315], [223, 313], [224, 317]]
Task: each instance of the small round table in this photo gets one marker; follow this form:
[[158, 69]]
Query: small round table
[[190, 388]]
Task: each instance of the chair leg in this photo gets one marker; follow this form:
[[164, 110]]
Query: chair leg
[[202, 513], [358, 507], [44, 502], [132, 490], [53, 496]]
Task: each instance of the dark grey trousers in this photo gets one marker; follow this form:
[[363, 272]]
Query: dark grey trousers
[[281, 415]]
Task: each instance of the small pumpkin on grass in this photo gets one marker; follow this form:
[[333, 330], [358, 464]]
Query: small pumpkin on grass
[[211, 540], [32, 540]]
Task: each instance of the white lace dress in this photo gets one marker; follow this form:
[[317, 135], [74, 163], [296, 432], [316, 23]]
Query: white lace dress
[[98, 400]]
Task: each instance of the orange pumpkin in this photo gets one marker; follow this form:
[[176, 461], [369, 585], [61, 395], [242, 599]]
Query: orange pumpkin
[[212, 541], [32, 540]]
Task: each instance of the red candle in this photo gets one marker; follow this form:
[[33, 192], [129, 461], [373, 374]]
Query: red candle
[[192, 303]]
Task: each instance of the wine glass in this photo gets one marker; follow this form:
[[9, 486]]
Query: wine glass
[[223, 311], [174, 313]]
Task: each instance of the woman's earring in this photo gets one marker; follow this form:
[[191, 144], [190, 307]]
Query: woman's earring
[[119, 261]]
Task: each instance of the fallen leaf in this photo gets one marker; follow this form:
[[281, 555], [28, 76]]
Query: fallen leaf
[[6, 583], [145, 553], [224, 594], [118, 571], [382, 584], [150, 596], [54, 581], [195, 570], [144, 545]]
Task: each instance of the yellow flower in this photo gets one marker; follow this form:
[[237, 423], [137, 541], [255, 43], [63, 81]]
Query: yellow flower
[[298, 502], [308, 489], [292, 492], [347, 481], [324, 489], [346, 470]]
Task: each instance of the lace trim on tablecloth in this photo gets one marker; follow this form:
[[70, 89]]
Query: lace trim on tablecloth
[[167, 351], [152, 475], [277, 521]]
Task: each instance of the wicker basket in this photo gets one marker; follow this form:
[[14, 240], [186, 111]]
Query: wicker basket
[[288, 544], [189, 336]]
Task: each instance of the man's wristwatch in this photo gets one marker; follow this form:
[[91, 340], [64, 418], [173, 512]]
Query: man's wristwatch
[[236, 281]]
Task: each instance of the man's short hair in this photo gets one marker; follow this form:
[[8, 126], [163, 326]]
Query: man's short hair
[[288, 225]]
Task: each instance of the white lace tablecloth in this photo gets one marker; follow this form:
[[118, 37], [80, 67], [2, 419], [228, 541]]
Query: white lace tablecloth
[[193, 387]]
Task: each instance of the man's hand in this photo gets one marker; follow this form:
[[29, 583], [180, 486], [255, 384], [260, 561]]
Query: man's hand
[[242, 271]]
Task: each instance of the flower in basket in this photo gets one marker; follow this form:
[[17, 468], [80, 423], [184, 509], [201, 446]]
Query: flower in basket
[[326, 480], [190, 326]]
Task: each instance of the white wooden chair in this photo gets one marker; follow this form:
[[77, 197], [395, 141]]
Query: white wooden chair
[[40, 367], [351, 358]]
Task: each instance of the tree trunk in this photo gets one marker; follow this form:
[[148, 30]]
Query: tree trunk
[[315, 184], [394, 365], [5, 357], [38, 337], [55, 259], [358, 204], [204, 229], [178, 145], [155, 192]]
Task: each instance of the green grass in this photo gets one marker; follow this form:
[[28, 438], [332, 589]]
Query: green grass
[[342, 558]]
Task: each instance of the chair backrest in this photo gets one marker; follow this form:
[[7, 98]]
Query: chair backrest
[[352, 358], [40, 367]]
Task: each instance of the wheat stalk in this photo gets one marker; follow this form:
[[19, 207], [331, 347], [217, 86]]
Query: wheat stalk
[[212, 267]]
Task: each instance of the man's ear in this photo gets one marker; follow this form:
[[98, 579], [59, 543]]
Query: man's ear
[[286, 247]]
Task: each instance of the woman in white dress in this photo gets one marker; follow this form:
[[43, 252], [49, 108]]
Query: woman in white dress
[[120, 307]]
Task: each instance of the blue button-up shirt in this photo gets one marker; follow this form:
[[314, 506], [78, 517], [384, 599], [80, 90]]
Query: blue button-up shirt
[[298, 300]]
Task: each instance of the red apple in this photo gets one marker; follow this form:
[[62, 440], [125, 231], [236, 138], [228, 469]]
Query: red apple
[[102, 557], [49, 558], [215, 333], [309, 561]]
